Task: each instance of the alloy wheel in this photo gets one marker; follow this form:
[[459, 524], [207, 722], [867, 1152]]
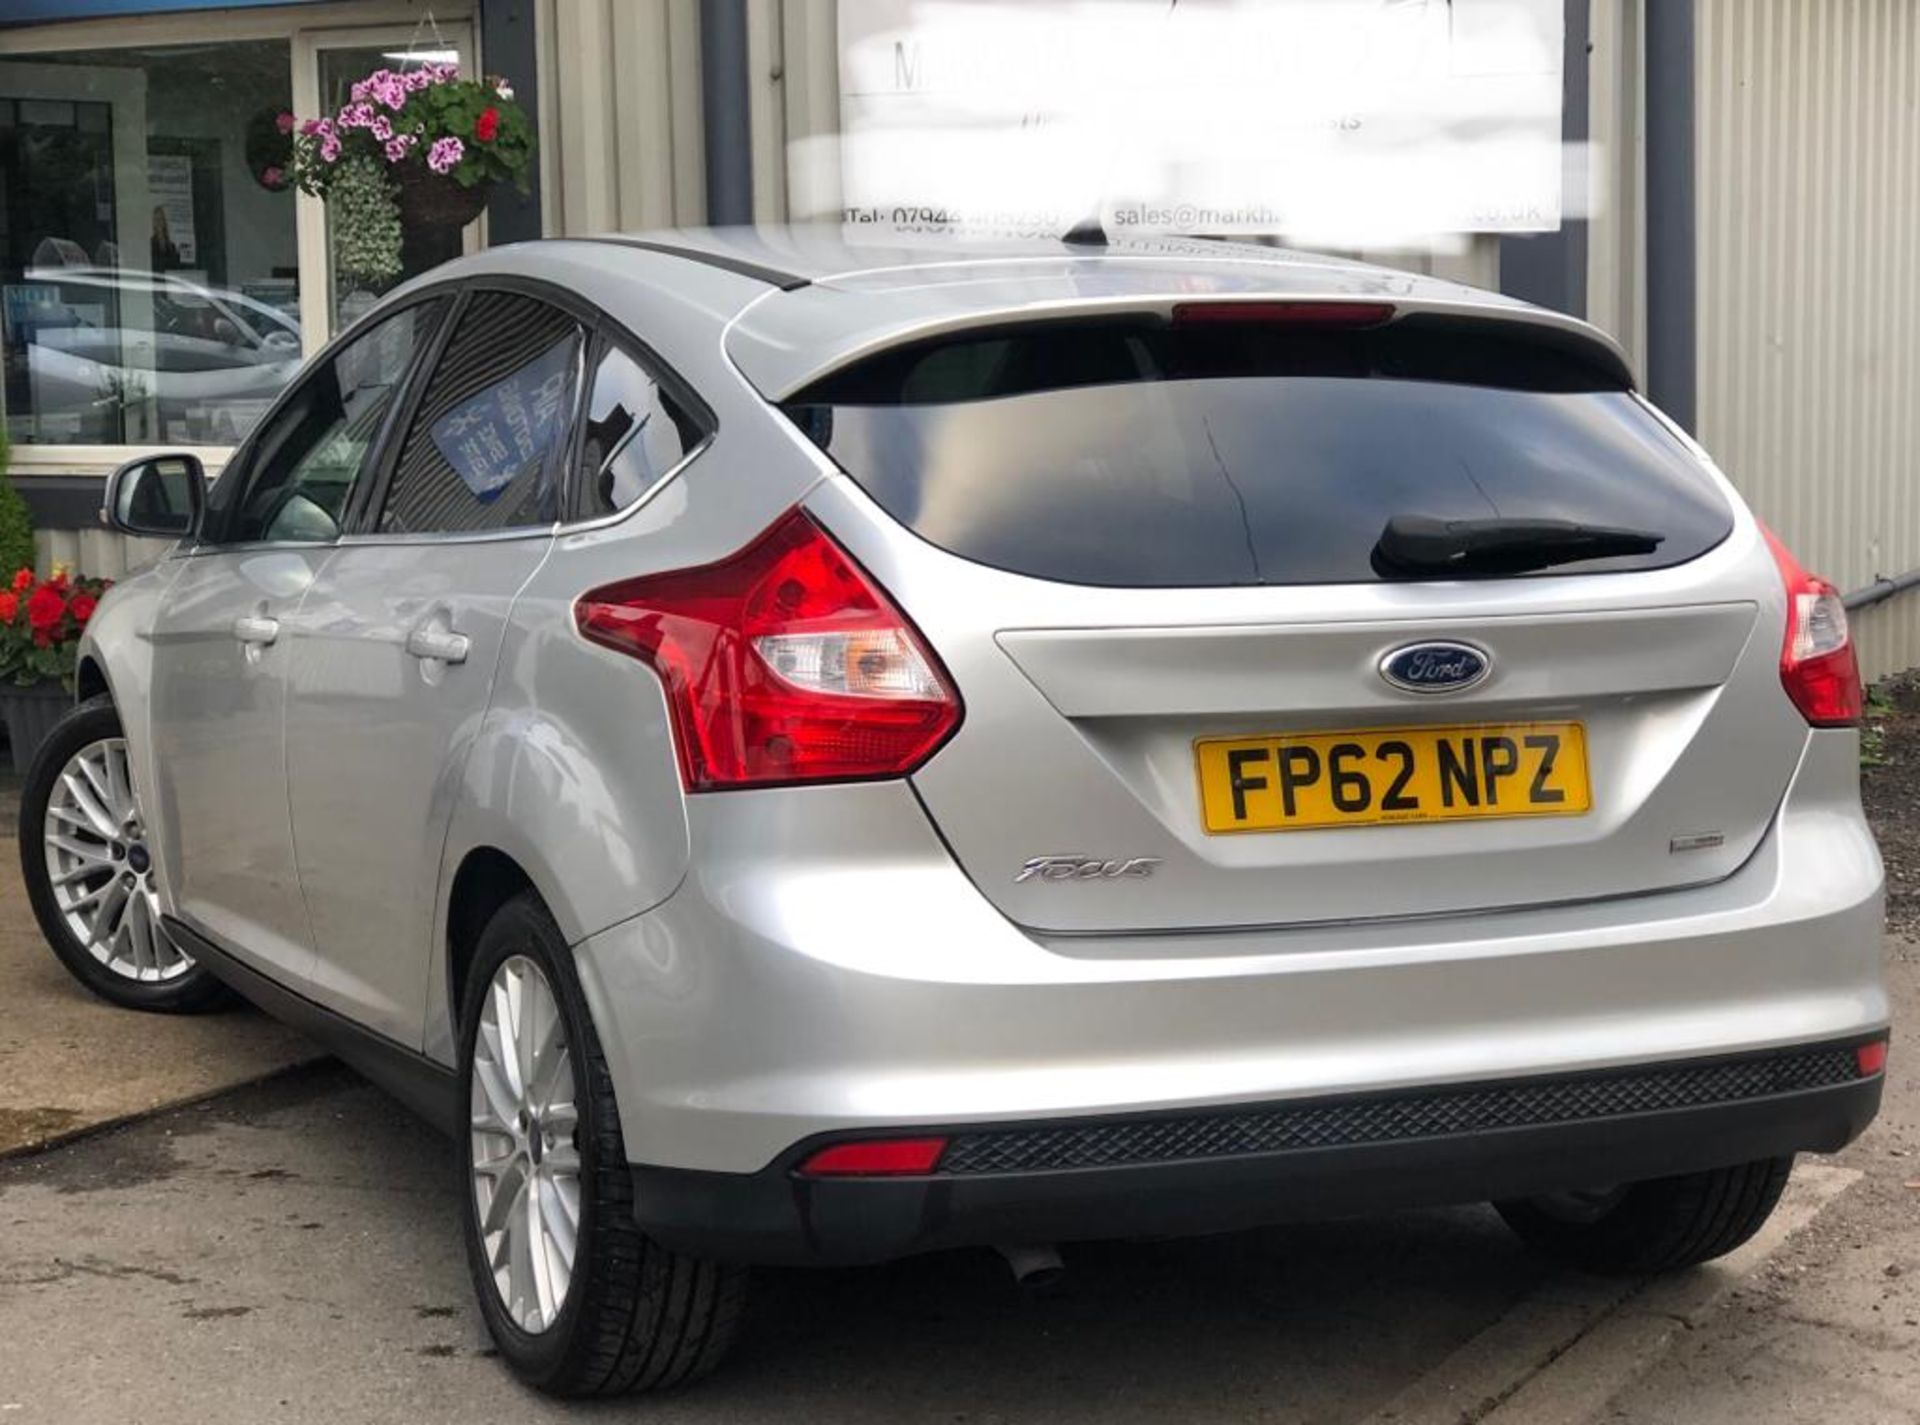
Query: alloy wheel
[[524, 1144], [101, 869]]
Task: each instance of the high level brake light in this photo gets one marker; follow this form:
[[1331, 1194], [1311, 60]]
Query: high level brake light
[[1817, 663], [783, 663], [1283, 313]]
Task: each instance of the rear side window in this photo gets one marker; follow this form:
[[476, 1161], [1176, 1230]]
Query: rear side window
[[635, 433], [1137, 453], [483, 451]]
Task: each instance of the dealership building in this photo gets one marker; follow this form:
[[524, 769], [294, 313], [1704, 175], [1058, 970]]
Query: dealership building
[[1729, 187]]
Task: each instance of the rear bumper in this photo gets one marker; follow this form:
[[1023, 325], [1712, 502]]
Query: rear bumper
[[826, 969], [1175, 1175]]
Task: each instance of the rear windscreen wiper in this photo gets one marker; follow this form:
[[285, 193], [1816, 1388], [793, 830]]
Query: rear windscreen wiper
[[1415, 546]]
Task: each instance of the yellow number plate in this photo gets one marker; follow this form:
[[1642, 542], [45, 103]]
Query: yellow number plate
[[1296, 780]]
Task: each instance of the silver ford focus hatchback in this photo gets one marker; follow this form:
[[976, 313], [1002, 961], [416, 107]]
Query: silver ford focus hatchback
[[801, 752]]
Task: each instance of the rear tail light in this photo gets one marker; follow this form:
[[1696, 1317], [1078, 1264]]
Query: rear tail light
[[782, 663], [876, 1158], [1872, 1058], [1817, 664]]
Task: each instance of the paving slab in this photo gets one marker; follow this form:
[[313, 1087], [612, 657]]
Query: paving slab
[[292, 1254], [70, 1062]]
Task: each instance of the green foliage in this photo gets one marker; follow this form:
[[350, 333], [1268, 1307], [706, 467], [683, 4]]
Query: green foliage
[[366, 224], [1873, 727], [16, 524]]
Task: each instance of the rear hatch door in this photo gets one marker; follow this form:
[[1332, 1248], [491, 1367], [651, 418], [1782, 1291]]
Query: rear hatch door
[[1149, 548]]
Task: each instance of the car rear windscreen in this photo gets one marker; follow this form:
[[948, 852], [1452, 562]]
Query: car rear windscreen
[[1136, 452]]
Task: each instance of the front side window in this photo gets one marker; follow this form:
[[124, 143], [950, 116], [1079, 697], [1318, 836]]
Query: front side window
[[301, 471], [635, 433], [149, 290], [483, 450]]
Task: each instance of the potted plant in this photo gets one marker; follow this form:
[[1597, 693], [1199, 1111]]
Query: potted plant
[[417, 147], [41, 621]]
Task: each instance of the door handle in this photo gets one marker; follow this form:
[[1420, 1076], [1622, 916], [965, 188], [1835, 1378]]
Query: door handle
[[252, 628], [442, 645]]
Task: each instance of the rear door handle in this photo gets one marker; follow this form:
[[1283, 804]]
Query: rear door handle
[[440, 644], [253, 628]]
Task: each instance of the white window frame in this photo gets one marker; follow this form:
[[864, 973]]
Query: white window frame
[[307, 29]]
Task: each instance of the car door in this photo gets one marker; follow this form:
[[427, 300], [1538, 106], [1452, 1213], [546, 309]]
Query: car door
[[392, 654], [218, 700]]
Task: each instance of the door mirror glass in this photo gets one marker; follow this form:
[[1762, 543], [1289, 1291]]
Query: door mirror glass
[[157, 495]]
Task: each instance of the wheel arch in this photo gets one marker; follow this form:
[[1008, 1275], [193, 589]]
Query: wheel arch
[[90, 679], [486, 879]]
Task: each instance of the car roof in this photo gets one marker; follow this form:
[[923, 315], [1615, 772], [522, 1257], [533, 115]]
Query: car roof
[[797, 302]]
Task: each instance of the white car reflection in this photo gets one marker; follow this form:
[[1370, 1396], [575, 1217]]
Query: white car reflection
[[200, 361]]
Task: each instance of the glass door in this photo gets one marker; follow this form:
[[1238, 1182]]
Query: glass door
[[327, 64]]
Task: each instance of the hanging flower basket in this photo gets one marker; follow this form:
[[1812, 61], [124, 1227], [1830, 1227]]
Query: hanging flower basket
[[420, 147], [427, 199]]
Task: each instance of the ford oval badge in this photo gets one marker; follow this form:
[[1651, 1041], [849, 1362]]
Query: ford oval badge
[[1435, 667]]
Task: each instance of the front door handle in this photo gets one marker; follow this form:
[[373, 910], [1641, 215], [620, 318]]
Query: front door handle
[[254, 628], [442, 645]]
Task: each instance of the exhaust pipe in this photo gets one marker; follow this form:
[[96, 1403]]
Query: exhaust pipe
[[1034, 1267]]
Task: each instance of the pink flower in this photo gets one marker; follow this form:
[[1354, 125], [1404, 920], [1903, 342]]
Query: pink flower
[[284, 123], [330, 149], [416, 79], [273, 177], [445, 153], [398, 145], [381, 129], [356, 116]]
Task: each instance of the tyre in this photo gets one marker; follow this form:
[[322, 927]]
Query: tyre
[[1657, 1226], [579, 1300], [90, 876]]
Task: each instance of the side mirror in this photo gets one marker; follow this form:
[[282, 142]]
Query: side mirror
[[157, 495]]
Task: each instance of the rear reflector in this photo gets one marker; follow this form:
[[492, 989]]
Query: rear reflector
[[883, 1157], [1817, 664], [1872, 1058], [782, 663], [1318, 314]]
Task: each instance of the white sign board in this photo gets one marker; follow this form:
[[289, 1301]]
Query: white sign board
[[1347, 121], [170, 188]]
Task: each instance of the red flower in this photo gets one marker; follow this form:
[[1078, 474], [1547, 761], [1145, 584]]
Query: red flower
[[487, 125], [9, 606], [44, 608], [23, 581], [82, 607], [61, 578]]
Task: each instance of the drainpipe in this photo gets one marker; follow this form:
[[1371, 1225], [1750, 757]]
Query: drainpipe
[[1882, 589], [1672, 370], [724, 107]]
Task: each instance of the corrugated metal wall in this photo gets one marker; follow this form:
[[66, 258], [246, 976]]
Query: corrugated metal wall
[[97, 553], [1809, 121], [619, 114]]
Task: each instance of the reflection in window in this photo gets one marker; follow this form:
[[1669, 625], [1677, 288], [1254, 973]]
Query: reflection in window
[[303, 468], [635, 434], [482, 450], [148, 290]]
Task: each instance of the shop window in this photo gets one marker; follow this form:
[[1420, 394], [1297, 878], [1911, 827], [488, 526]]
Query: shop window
[[149, 276]]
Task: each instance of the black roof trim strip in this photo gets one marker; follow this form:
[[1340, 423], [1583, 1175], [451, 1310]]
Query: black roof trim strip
[[772, 276]]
